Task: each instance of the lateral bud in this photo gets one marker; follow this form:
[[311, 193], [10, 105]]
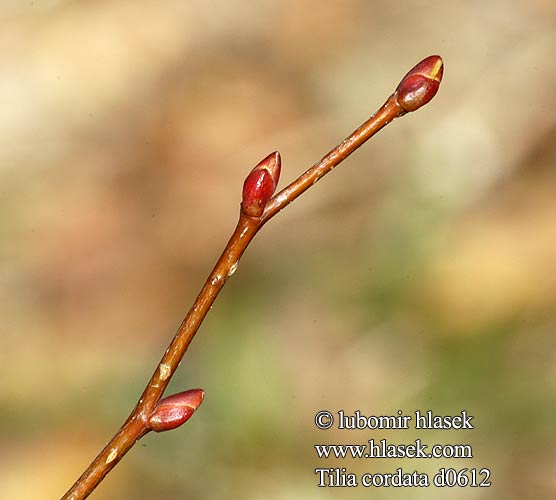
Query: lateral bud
[[175, 410], [420, 84], [260, 184]]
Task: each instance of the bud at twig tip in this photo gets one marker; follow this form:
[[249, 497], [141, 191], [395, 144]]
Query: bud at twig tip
[[175, 410], [260, 184], [420, 84]]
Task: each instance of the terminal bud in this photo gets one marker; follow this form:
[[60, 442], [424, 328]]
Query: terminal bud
[[420, 84], [260, 184], [175, 410]]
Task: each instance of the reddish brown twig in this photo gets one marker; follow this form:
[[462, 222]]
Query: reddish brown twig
[[258, 206]]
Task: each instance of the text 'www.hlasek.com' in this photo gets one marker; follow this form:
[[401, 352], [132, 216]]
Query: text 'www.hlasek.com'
[[443, 477]]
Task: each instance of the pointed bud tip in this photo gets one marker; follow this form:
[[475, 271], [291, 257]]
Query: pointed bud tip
[[420, 84], [260, 184], [273, 163], [175, 410]]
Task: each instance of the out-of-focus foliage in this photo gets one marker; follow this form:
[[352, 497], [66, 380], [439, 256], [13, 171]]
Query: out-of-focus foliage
[[419, 275]]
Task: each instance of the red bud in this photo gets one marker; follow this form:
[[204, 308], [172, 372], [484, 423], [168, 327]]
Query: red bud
[[260, 184], [420, 84], [173, 411]]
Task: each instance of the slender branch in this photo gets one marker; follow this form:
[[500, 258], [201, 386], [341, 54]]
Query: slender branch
[[380, 119], [151, 413], [136, 424]]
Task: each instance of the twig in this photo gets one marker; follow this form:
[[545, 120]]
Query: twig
[[258, 206]]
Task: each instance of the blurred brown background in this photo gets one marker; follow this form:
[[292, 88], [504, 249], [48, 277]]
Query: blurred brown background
[[419, 275]]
